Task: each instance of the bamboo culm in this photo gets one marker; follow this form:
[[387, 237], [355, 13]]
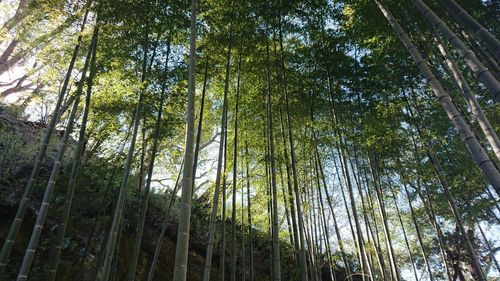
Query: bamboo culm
[[482, 73], [76, 164], [49, 191], [145, 200], [275, 232], [475, 150], [472, 25], [23, 205], [118, 213], [182, 245], [220, 172], [235, 175], [471, 100]]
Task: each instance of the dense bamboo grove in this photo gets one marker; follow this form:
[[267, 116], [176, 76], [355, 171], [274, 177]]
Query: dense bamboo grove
[[319, 140]]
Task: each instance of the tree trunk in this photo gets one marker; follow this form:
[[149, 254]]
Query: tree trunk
[[466, 20], [302, 254], [118, 213], [474, 148], [75, 167], [249, 207], [474, 106], [235, 175], [182, 246], [23, 206], [385, 223], [220, 173], [49, 191], [276, 245], [164, 225], [145, 201], [483, 74]]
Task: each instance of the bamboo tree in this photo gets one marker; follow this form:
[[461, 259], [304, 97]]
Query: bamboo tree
[[474, 106], [415, 223], [323, 217], [405, 236], [182, 245], [145, 201], [285, 205], [302, 254], [119, 208], [370, 235], [23, 205], [490, 250], [429, 206], [200, 125], [335, 224], [466, 20], [49, 191], [289, 189], [471, 142], [220, 173], [451, 201], [275, 232], [350, 192], [249, 207], [483, 74], [385, 225], [75, 166], [346, 206], [166, 216], [243, 255], [235, 175]]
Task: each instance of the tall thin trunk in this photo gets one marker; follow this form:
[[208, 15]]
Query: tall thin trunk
[[346, 206], [469, 97], [199, 130], [370, 234], [350, 191], [415, 223], [249, 207], [335, 224], [451, 201], [285, 204], [243, 250], [468, 137], [145, 201], [75, 167], [472, 25], [385, 223], [235, 175], [23, 206], [166, 216], [429, 207], [490, 250], [49, 191], [220, 173], [405, 236], [289, 189], [276, 246], [119, 209], [302, 254], [357, 179], [323, 220], [182, 246], [483, 74]]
